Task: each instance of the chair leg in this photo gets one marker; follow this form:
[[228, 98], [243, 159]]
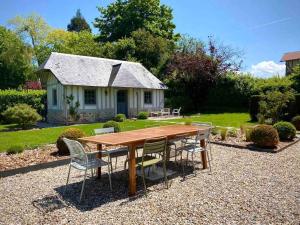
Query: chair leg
[[82, 188], [109, 176], [165, 174], [209, 163], [182, 165], [193, 161], [144, 181], [68, 178], [92, 171], [116, 163]]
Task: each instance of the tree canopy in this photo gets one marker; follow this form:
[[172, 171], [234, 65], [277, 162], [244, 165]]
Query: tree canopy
[[119, 19], [78, 23], [15, 60], [32, 29]]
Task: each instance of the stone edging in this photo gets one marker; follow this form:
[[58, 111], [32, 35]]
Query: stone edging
[[256, 148], [27, 169]]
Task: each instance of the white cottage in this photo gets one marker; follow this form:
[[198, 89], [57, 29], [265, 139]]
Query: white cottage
[[102, 87]]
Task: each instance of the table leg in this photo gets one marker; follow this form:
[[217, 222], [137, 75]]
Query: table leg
[[99, 155], [203, 155], [132, 171]]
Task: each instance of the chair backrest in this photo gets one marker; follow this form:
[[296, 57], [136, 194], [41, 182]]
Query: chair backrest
[[208, 124], [77, 152], [155, 145], [104, 130], [177, 110]]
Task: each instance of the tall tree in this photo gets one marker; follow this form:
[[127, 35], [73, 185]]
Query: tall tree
[[119, 19], [78, 23], [15, 60], [195, 68], [32, 29], [79, 43]]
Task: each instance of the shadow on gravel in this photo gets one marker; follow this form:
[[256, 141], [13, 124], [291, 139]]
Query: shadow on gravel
[[98, 193]]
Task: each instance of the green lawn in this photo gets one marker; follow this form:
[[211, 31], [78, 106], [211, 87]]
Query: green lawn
[[32, 138]]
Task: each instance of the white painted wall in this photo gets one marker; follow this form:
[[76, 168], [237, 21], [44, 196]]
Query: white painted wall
[[106, 97]]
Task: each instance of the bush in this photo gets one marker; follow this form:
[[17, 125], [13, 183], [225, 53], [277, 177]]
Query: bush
[[232, 132], [113, 124], [21, 114], [15, 149], [70, 133], [34, 98], [188, 121], [224, 133], [143, 115], [296, 122], [286, 130], [120, 118], [264, 136]]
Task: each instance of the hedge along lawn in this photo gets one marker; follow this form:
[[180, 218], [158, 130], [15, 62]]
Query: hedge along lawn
[[37, 137]]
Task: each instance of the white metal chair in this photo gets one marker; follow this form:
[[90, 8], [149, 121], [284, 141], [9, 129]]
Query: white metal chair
[[165, 112], [192, 145], [176, 112], [84, 161], [192, 139], [112, 153]]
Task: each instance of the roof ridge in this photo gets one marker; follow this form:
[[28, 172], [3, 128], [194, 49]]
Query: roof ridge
[[94, 57]]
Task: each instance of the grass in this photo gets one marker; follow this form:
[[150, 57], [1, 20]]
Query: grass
[[36, 137]]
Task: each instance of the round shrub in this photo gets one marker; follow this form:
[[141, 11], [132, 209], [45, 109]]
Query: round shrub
[[70, 133], [264, 136], [143, 115], [286, 130], [113, 124], [120, 118], [22, 114], [296, 122], [15, 149]]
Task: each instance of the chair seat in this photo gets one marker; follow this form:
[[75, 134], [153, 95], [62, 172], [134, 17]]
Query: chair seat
[[189, 141], [192, 148], [92, 163], [148, 161], [116, 152]]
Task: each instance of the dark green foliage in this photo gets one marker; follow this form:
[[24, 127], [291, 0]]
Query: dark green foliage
[[254, 106], [15, 149], [78, 23], [295, 78], [119, 19], [296, 122], [274, 105], [21, 114], [143, 115], [113, 124], [70, 133], [232, 90], [265, 136], [34, 98], [15, 60], [286, 130], [120, 118]]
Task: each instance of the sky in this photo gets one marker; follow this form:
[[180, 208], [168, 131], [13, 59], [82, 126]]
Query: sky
[[263, 29]]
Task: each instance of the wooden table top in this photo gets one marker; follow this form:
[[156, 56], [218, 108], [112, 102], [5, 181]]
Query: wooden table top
[[140, 135]]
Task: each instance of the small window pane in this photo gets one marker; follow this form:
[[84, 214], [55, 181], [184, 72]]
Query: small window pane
[[90, 97], [148, 97], [54, 97]]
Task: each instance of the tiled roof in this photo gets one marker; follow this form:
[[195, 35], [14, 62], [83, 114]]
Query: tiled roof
[[290, 56]]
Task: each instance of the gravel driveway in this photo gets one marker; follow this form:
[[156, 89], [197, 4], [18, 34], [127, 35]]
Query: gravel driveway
[[245, 187]]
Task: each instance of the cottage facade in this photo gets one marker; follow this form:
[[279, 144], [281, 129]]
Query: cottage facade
[[291, 59], [100, 88]]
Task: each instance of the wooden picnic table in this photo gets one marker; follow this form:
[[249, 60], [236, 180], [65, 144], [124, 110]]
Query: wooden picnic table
[[134, 138]]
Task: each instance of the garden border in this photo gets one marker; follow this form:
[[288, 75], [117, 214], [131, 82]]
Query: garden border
[[26, 169], [257, 148]]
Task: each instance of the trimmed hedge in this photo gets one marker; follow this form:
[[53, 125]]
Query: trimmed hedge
[[265, 136], [296, 122], [143, 115], [286, 130], [35, 98], [70, 133], [292, 110], [113, 124]]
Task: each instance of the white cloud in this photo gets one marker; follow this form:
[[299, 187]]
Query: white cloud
[[267, 69]]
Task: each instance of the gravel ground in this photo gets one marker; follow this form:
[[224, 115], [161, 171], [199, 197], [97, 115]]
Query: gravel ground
[[245, 187]]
